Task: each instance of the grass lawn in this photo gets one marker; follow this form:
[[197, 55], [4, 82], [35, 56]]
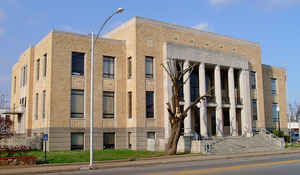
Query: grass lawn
[[83, 156], [293, 145]]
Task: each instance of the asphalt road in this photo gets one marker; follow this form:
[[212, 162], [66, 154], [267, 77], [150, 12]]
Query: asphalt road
[[267, 165]]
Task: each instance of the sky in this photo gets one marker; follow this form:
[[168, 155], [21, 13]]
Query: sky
[[274, 24]]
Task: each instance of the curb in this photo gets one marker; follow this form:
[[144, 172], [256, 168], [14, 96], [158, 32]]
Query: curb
[[51, 168]]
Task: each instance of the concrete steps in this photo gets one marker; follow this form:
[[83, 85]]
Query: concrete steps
[[232, 145]]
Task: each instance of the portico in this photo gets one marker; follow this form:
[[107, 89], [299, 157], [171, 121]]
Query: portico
[[228, 111]]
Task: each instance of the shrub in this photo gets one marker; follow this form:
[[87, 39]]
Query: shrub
[[18, 150], [277, 133]]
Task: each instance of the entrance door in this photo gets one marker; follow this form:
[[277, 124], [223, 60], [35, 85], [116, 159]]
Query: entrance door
[[213, 122], [239, 122]]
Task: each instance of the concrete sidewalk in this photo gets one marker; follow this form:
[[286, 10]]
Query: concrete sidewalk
[[140, 162]]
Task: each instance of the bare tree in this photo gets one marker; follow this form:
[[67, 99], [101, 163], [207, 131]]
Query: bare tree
[[176, 72], [294, 111]]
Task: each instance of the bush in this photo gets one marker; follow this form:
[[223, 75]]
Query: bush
[[287, 138], [18, 150], [277, 133]]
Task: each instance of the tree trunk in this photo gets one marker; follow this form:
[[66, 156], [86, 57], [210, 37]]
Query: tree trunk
[[174, 138]]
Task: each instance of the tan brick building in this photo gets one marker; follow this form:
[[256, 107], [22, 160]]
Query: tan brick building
[[51, 86]]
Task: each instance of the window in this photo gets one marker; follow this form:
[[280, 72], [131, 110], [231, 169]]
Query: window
[[129, 104], [253, 80], [77, 63], [109, 140], [151, 135], [274, 112], [44, 104], [45, 65], [108, 104], [274, 85], [36, 105], [149, 104], [108, 67], [77, 103], [149, 67], [15, 85], [77, 141], [254, 109], [23, 76], [38, 69], [129, 67], [129, 140]]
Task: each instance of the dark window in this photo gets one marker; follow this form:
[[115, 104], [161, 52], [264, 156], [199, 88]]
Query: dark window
[[36, 105], [108, 104], [38, 69], [77, 63], [274, 85], [129, 104], [254, 109], [274, 112], [149, 67], [129, 140], [253, 80], [194, 84], [108, 67], [45, 65], [44, 104], [151, 135], [149, 104], [77, 103], [109, 140], [77, 141], [129, 67], [15, 85]]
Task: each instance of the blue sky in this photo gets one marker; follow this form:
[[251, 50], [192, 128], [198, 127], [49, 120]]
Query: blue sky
[[275, 24]]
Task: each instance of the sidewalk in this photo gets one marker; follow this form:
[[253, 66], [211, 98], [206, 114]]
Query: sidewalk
[[126, 163]]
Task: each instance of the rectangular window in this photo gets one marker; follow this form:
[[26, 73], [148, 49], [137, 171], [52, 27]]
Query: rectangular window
[[129, 104], [254, 109], [129, 67], [44, 104], [108, 67], [77, 63], [25, 75], [253, 80], [149, 67], [274, 112], [77, 141], [15, 85], [45, 65], [109, 140], [151, 135], [149, 104], [274, 85], [77, 103], [38, 69], [108, 104], [36, 106]]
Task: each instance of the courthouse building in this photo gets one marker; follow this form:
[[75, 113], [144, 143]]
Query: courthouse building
[[51, 86]]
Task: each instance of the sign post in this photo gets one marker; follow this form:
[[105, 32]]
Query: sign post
[[45, 138]]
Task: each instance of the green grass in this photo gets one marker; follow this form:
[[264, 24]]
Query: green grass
[[293, 145], [99, 155]]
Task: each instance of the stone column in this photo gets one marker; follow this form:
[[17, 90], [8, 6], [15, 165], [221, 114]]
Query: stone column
[[203, 107], [218, 94], [246, 111], [187, 101], [232, 111]]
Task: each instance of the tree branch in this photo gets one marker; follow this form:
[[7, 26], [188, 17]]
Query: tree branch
[[197, 101]]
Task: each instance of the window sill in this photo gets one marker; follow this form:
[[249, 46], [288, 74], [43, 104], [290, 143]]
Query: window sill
[[108, 118], [151, 118], [78, 118]]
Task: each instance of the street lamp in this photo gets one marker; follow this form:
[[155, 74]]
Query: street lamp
[[278, 110], [119, 10]]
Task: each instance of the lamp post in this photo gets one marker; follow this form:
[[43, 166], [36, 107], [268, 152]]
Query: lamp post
[[119, 10], [278, 110]]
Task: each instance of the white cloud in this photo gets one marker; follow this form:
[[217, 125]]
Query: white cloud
[[2, 16], [68, 28], [2, 31], [222, 2], [202, 26]]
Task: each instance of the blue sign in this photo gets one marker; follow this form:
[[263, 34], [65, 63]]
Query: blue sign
[[45, 137]]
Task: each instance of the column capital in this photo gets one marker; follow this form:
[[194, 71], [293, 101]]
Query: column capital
[[230, 69], [217, 66]]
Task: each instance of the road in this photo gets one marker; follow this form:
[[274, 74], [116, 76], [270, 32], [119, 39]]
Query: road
[[267, 165]]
